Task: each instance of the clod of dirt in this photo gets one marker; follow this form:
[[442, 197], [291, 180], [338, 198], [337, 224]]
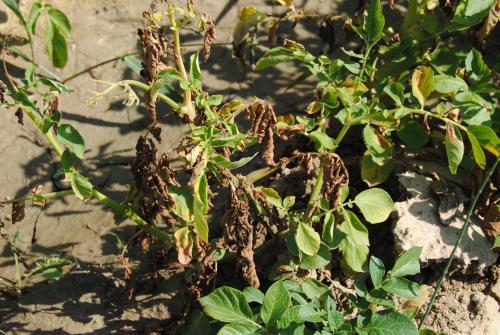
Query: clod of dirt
[[462, 309], [418, 224]]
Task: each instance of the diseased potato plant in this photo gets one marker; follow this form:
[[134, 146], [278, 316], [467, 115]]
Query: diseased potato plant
[[405, 88]]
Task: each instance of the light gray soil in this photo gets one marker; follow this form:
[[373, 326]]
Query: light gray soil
[[90, 299]]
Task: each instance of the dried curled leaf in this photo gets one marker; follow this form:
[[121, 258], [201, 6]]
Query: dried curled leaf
[[18, 212], [152, 177], [208, 39], [19, 114], [239, 231], [127, 274], [263, 120], [154, 47], [335, 177]]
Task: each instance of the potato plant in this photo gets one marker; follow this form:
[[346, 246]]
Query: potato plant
[[405, 89]]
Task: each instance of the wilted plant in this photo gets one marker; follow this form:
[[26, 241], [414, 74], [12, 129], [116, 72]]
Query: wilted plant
[[450, 98]]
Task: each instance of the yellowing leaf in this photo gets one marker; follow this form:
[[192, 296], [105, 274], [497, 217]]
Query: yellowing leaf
[[422, 83], [184, 245]]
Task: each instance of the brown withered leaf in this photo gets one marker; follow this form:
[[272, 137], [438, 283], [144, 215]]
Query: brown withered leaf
[[19, 114], [152, 178], [208, 39], [127, 274], [18, 212], [327, 31], [335, 177], [286, 133], [239, 232], [492, 220], [489, 24], [263, 120]]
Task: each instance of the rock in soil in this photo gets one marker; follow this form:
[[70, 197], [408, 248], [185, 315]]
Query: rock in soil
[[418, 224]]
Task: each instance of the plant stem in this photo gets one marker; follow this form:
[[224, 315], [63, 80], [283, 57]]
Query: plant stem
[[46, 196], [178, 55], [315, 192], [129, 213], [256, 175], [161, 96], [363, 66], [459, 240], [90, 68]]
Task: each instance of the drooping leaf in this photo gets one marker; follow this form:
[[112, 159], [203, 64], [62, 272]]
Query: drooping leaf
[[468, 13], [275, 303], [407, 264], [273, 57], [320, 260], [477, 70], [412, 134], [184, 199], [200, 222], [396, 92], [422, 83], [227, 304], [54, 85], [56, 46], [314, 289], [35, 12], [194, 70], [224, 162], [355, 243], [81, 186], [454, 145], [184, 245], [380, 148], [375, 204], [322, 140], [12, 4], [377, 271], [477, 151], [60, 20], [486, 137], [308, 240], [249, 18], [69, 136]]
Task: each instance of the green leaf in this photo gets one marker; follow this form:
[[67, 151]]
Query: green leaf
[[308, 240], [454, 146], [224, 162], [12, 4], [69, 136], [372, 173], [377, 271], [272, 196], [60, 20], [407, 264], [54, 85], [379, 147], [334, 317], [468, 13], [274, 57], [355, 243], [200, 222], [276, 302], [227, 304], [81, 186], [375, 204], [320, 260], [35, 12], [496, 243], [396, 92], [194, 70], [184, 199], [237, 329], [477, 151], [56, 46], [52, 273], [373, 27], [253, 294], [412, 134], [486, 137], [477, 70], [402, 287], [422, 83], [322, 140], [388, 323], [447, 84], [380, 297], [133, 63], [314, 289]]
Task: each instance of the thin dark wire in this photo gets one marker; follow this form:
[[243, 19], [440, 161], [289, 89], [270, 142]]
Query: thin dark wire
[[459, 240]]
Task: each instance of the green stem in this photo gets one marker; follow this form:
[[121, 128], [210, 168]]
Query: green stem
[[459, 240], [46, 196], [90, 68], [363, 66], [316, 191], [129, 213], [161, 96]]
